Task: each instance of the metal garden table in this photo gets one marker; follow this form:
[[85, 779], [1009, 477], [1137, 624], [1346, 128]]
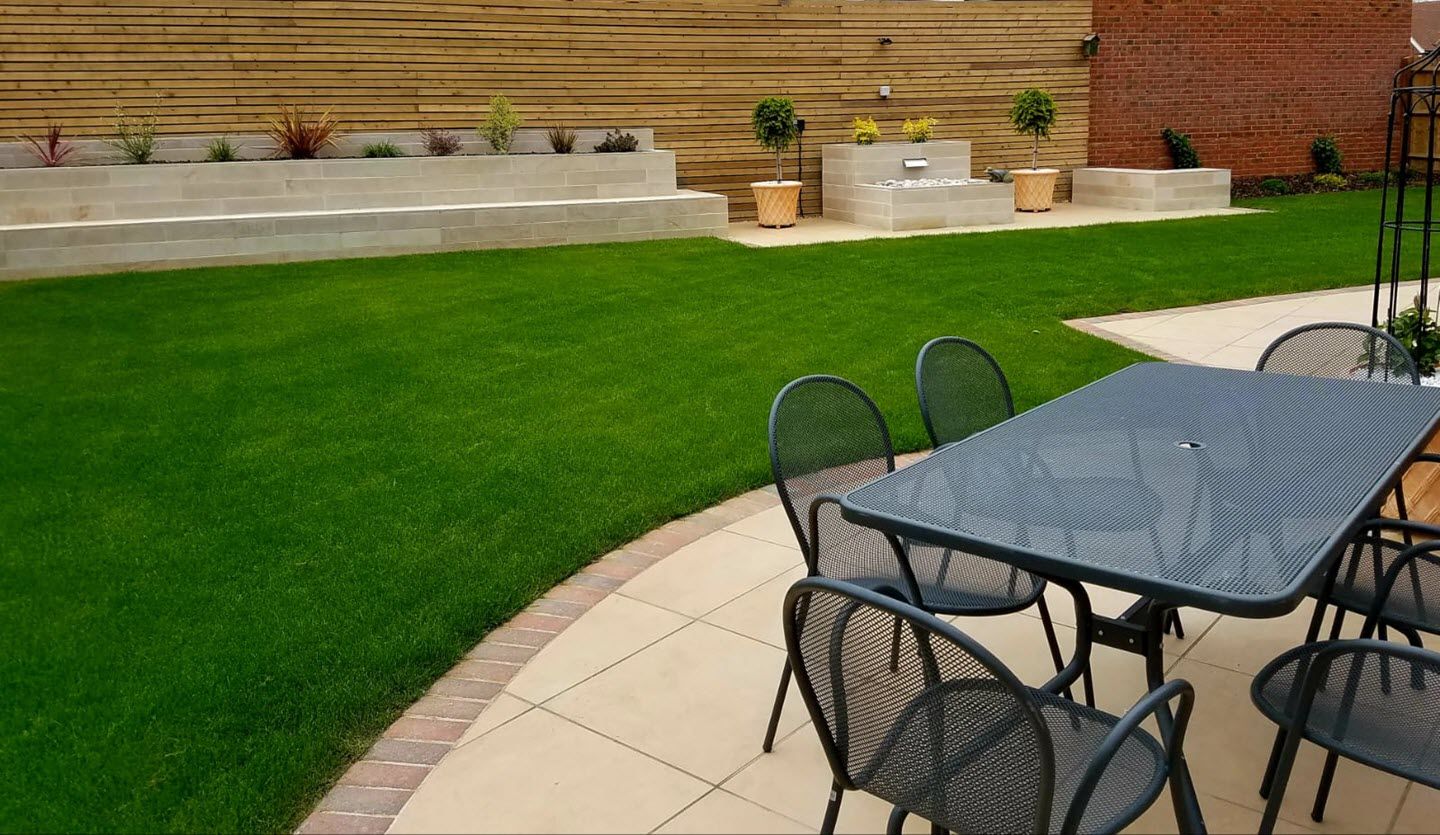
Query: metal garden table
[[1230, 491]]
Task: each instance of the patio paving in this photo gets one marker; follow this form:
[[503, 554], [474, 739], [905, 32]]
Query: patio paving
[[644, 709], [818, 230]]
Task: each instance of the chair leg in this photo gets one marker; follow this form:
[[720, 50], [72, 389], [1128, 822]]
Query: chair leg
[[1269, 779], [1322, 794], [1282, 776], [1173, 625], [1052, 640], [832, 809], [896, 824], [775, 711], [1089, 677]]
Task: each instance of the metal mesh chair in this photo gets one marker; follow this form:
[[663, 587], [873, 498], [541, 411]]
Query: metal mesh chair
[[943, 730], [828, 437], [961, 388], [1395, 583], [1374, 702], [1341, 350]]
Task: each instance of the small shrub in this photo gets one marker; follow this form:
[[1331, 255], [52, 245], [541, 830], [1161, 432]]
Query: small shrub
[[773, 121], [1033, 113], [439, 142], [297, 136], [1182, 153], [134, 136], [919, 130], [1326, 153], [500, 123], [562, 140], [221, 149], [1372, 178], [1416, 330], [866, 131], [1329, 182], [616, 142], [1274, 185], [53, 149], [381, 150]]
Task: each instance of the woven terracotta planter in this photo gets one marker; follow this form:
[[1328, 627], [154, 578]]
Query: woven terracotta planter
[[777, 204], [1034, 188]]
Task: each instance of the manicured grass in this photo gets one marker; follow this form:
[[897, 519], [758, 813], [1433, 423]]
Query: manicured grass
[[251, 513]]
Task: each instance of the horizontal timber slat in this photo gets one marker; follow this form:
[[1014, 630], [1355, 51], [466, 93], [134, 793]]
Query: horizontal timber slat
[[691, 69]]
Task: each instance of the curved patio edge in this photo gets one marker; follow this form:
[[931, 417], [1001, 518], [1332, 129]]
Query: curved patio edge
[[369, 795]]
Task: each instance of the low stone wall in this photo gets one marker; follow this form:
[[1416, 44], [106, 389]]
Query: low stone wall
[[123, 192], [1152, 190], [932, 207], [258, 146], [92, 247]]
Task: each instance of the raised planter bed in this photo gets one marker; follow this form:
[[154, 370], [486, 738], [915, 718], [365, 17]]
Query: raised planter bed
[[1152, 190], [127, 192], [853, 193], [103, 218]]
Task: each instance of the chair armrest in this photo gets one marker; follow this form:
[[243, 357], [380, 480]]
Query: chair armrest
[[1386, 584], [1149, 705], [1402, 525]]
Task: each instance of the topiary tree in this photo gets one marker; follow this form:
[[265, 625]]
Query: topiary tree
[[1033, 113], [1182, 151], [774, 122]]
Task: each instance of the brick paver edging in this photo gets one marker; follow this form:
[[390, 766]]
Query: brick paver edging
[[371, 793]]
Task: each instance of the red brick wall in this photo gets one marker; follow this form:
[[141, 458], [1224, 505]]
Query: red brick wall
[[1251, 81]]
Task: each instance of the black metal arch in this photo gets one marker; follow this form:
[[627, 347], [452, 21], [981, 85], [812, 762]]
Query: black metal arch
[[1406, 223]]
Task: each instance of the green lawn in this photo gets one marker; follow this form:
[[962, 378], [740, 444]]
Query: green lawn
[[251, 513]]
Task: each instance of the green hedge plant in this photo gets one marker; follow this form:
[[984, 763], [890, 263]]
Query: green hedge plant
[[1325, 150], [1182, 152], [500, 123], [1274, 185]]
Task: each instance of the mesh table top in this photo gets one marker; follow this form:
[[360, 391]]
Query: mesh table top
[[1226, 490]]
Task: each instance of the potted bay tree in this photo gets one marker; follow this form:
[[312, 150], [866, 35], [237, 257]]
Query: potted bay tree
[[777, 202], [1033, 113]]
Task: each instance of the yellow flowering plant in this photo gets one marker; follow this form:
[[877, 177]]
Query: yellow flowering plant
[[866, 131], [919, 130]]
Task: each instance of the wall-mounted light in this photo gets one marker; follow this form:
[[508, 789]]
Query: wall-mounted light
[[1090, 45], [884, 91], [885, 41]]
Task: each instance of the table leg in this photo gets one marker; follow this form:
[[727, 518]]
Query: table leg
[[1182, 790]]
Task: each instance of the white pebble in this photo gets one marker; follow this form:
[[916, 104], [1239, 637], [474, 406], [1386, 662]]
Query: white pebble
[[929, 182]]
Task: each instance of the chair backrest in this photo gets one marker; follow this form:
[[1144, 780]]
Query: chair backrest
[[962, 389], [1342, 350], [939, 727], [828, 437]]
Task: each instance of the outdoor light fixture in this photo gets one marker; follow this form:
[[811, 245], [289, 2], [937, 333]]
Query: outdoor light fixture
[[884, 91], [1090, 45], [885, 41]]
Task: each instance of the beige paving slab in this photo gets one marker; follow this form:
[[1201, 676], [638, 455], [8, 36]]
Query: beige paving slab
[[1241, 357], [1230, 743], [757, 613], [815, 230], [698, 700], [1246, 645], [710, 572], [615, 628], [1221, 816], [504, 708], [794, 780], [1420, 813], [771, 525], [721, 812], [541, 773]]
